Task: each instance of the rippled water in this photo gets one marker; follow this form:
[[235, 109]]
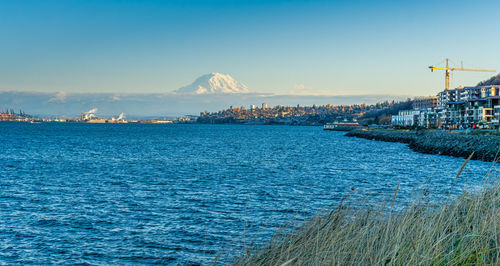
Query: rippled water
[[129, 193]]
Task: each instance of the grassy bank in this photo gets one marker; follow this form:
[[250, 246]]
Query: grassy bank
[[465, 230]]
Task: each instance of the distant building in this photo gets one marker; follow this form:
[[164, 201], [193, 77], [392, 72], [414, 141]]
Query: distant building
[[424, 102], [264, 105], [252, 107]]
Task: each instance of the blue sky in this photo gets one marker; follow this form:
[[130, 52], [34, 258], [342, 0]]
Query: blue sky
[[331, 47]]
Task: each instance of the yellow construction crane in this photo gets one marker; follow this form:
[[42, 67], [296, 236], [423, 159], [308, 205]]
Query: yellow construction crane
[[448, 69]]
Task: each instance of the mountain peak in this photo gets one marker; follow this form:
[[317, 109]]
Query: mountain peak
[[214, 83]]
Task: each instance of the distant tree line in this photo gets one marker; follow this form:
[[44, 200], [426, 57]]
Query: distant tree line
[[495, 80], [383, 116]]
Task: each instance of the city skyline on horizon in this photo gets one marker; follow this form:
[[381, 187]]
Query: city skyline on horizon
[[277, 47]]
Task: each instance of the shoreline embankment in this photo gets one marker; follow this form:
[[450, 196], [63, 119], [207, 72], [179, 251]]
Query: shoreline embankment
[[485, 147]]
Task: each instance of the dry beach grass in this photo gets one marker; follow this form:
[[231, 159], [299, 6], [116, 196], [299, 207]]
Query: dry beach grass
[[463, 230]]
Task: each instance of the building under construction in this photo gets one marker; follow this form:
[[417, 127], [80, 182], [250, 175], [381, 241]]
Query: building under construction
[[463, 107], [470, 107]]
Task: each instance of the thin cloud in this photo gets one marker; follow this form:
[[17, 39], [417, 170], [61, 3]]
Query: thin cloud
[[301, 89], [115, 97], [59, 97]]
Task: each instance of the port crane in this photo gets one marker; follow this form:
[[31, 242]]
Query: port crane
[[448, 70]]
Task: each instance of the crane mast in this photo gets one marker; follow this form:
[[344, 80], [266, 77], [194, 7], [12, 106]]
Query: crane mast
[[448, 70]]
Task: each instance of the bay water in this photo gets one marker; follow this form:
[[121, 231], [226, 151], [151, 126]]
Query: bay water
[[182, 194]]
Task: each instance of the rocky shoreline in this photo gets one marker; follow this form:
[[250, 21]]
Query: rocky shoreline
[[485, 147]]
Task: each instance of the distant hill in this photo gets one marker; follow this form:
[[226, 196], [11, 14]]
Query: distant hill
[[495, 80]]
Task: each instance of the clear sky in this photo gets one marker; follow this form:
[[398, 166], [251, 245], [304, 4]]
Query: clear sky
[[334, 47]]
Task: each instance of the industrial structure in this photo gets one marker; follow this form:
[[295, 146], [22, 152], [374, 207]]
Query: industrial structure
[[10, 115], [460, 108], [91, 117]]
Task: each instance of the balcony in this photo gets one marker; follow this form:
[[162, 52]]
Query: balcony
[[488, 112]]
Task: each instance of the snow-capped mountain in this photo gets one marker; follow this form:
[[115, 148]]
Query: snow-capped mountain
[[214, 83]]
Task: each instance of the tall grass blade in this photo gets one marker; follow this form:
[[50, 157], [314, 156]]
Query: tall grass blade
[[463, 166]]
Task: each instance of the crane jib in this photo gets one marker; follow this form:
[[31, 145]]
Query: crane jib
[[448, 69]]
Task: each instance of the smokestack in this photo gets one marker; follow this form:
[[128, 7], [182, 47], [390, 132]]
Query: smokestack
[[92, 111]]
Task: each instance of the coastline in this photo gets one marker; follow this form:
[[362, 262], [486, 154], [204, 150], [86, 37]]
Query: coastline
[[485, 147]]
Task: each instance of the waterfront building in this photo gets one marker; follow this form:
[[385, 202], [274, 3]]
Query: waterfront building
[[427, 117], [405, 118], [470, 107], [424, 117]]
